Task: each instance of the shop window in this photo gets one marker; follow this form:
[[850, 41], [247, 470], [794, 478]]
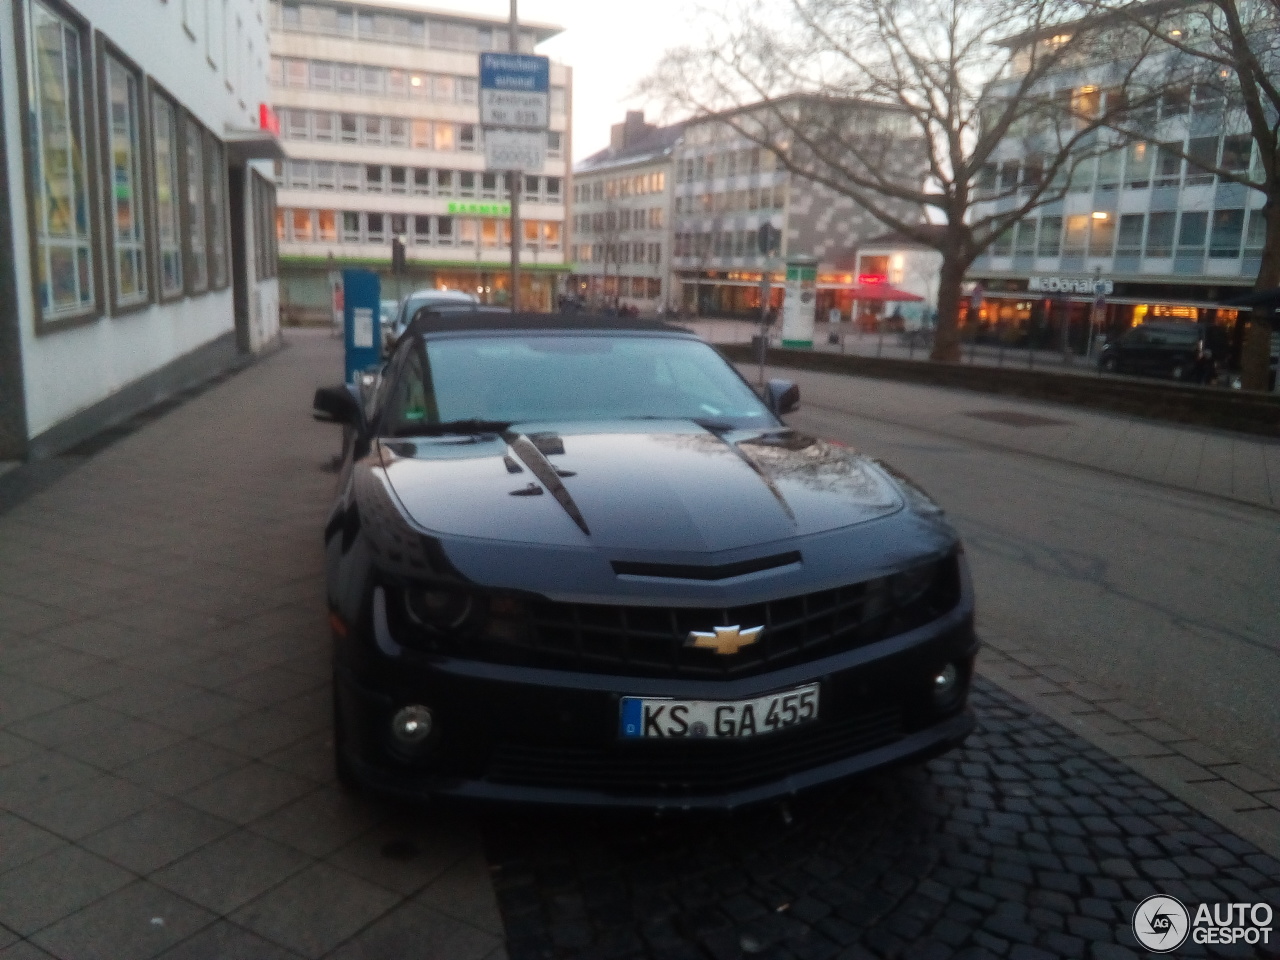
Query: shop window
[[1160, 234], [127, 232], [215, 172], [197, 254], [164, 139], [1129, 235], [1228, 228], [1191, 231]]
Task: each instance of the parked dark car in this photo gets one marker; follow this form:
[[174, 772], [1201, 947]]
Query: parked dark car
[[579, 561], [1180, 351]]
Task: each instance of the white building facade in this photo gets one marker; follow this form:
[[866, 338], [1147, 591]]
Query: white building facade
[[138, 255], [621, 227], [1161, 237], [379, 111]]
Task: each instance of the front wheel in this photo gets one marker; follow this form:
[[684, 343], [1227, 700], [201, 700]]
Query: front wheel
[[1109, 364]]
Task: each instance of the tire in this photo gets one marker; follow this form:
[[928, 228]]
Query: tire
[[1109, 364]]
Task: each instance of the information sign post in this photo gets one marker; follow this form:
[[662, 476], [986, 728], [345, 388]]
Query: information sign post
[[515, 110]]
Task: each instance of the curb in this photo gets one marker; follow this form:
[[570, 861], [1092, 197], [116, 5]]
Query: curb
[[1230, 793]]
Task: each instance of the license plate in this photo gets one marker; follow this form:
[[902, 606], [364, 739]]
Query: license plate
[[665, 718]]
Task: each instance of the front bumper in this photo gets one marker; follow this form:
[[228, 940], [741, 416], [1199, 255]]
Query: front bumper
[[537, 736]]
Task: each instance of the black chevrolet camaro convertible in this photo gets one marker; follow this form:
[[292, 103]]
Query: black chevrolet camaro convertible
[[577, 560]]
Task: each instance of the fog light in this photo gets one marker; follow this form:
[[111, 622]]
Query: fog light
[[944, 683], [412, 725]]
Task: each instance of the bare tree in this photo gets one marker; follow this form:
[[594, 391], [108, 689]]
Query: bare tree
[[955, 95], [1223, 56]]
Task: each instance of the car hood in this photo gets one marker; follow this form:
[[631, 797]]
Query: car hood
[[663, 485]]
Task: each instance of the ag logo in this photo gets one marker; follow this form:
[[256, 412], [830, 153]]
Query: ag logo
[[1160, 923]]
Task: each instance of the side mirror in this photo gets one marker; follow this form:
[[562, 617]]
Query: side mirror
[[782, 396], [336, 405]]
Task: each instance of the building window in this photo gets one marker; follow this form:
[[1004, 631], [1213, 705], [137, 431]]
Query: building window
[[123, 100], [468, 90], [373, 178], [419, 86], [1102, 235], [348, 128], [1138, 165], [372, 79], [467, 137], [350, 227], [372, 129], [421, 135], [326, 226], [1236, 153], [555, 141], [1024, 244], [325, 175], [216, 177], [1224, 239], [348, 77], [375, 227], [1073, 244], [444, 136], [1256, 238], [397, 132], [443, 88], [296, 73], [1160, 235], [263, 196], [63, 206], [1191, 233], [321, 75], [466, 183], [322, 129], [349, 175], [164, 138], [197, 256], [398, 180], [421, 230], [1129, 236], [444, 183], [397, 83], [1202, 153], [1168, 166], [300, 226], [296, 125], [299, 174]]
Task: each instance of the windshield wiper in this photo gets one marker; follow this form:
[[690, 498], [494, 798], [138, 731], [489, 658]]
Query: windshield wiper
[[452, 427]]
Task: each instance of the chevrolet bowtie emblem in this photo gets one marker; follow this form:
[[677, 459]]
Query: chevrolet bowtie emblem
[[725, 640]]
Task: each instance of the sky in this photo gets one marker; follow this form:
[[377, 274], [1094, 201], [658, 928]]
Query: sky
[[610, 45]]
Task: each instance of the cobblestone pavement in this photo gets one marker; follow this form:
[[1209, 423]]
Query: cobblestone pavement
[[1028, 844]]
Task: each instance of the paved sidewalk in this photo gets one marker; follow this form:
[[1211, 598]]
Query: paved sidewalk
[[1238, 467], [165, 775]]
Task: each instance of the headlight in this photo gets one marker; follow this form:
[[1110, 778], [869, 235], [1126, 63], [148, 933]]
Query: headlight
[[910, 585], [442, 609]]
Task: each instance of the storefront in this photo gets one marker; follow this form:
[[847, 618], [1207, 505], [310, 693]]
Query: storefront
[[1045, 312]]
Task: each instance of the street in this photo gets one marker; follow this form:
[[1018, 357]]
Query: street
[[165, 779]]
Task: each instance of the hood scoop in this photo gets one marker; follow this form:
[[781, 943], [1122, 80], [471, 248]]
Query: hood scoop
[[531, 456], [724, 571]]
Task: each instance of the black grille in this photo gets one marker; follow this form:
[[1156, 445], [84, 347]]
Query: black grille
[[673, 768], [652, 641]]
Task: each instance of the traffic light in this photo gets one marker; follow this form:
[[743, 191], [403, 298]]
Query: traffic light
[[397, 255]]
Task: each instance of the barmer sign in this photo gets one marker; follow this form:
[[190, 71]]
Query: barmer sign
[[1086, 285]]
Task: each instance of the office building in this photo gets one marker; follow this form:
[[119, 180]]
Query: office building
[[379, 110]]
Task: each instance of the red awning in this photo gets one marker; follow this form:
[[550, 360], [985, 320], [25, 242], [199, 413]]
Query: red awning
[[880, 291]]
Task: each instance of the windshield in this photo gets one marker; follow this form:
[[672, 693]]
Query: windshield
[[510, 379]]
